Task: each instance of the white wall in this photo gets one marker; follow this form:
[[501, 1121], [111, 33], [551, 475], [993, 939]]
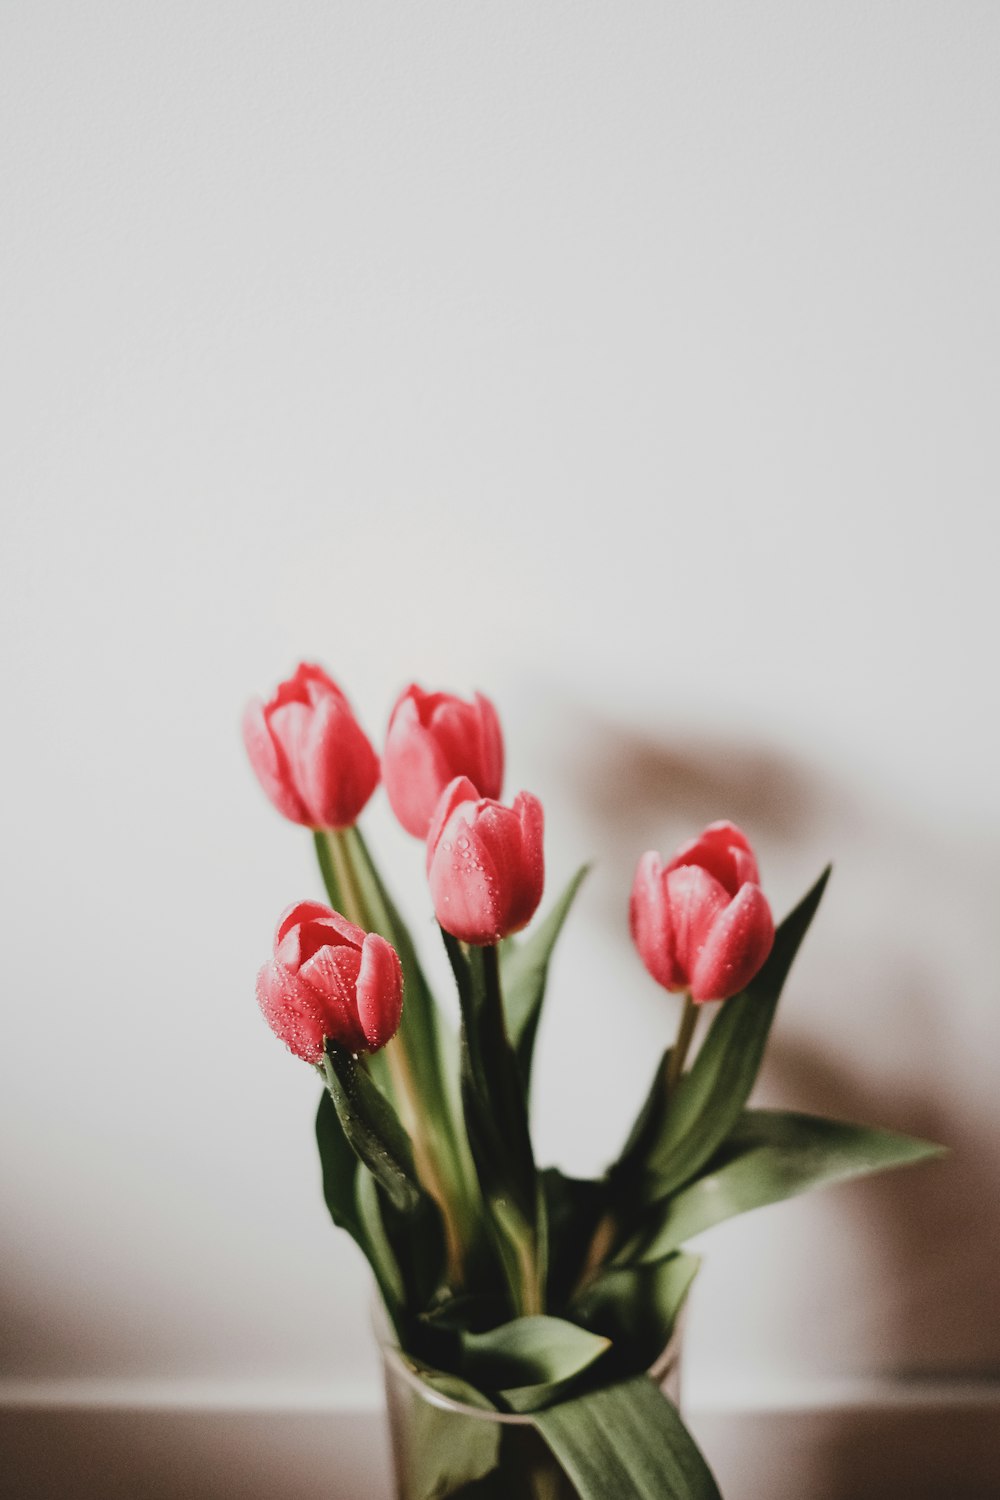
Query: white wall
[[634, 363]]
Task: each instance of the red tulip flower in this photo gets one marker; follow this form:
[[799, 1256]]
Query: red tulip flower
[[328, 978], [701, 923], [311, 755], [484, 863], [432, 738]]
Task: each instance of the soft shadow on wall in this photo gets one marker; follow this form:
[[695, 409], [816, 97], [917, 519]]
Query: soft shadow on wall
[[887, 1029]]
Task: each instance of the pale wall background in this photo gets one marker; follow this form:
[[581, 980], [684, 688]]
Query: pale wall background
[[635, 363]]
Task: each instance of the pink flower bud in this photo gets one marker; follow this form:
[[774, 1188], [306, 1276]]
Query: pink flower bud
[[701, 922], [484, 863], [310, 754], [328, 978], [432, 738]]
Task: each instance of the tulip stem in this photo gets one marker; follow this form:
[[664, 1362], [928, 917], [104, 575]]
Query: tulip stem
[[679, 1052], [336, 858], [527, 1246], [345, 882], [427, 1168]]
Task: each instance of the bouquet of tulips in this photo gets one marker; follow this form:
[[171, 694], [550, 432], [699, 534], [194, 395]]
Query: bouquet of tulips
[[510, 1287]]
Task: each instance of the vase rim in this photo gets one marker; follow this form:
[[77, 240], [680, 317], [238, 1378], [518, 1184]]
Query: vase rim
[[399, 1362]]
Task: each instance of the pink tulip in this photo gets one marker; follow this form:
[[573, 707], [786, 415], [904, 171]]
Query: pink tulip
[[484, 863], [328, 978], [701, 922], [432, 738], [310, 754]]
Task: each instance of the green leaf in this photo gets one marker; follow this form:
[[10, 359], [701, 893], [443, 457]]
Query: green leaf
[[524, 968], [530, 1360], [648, 1125], [411, 1218], [348, 1189], [772, 1155], [372, 1127], [453, 1387], [496, 1120], [637, 1307], [624, 1440], [379, 1251], [423, 1056], [444, 1450], [711, 1096], [340, 1167], [421, 1023], [573, 1207]]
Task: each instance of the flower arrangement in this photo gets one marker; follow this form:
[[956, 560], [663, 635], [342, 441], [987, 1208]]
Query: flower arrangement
[[510, 1288]]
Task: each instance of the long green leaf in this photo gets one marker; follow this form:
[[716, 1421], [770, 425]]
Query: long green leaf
[[340, 1166], [770, 1156], [409, 1215], [628, 1440], [574, 1206], [529, 1361], [372, 1127], [496, 1121], [444, 1450], [711, 1096], [422, 1061], [381, 1257], [637, 1308], [524, 968], [648, 1125], [420, 1029]]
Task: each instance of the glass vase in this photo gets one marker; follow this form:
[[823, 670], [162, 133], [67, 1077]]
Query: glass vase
[[445, 1450]]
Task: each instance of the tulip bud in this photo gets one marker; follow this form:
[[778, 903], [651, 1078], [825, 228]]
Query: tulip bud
[[484, 863], [311, 755], [432, 738], [328, 978], [701, 922]]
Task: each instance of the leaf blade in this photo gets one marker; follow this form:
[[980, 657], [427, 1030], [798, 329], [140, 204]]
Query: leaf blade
[[530, 1361], [626, 1439], [771, 1156], [711, 1096], [524, 968]]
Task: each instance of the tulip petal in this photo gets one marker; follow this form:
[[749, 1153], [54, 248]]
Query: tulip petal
[[650, 924], [457, 792], [723, 850], [491, 757], [289, 725], [463, 885], [414, 768], [292, 1010], [331, 931], [379, 991], [338, 770], [270, 764], [526, 891], [333, 974], [695, 898], [740, 940], [301, 911], [307, 684]]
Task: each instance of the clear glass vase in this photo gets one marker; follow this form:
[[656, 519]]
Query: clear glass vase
[[445, 1450]]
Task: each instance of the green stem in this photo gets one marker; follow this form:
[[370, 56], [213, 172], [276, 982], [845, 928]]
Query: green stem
[[353, 908], [689, 1020], [609, 1227], [337, 851], [530, 1293]]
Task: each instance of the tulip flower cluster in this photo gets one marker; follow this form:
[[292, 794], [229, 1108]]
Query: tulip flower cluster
[[484, 1263]]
